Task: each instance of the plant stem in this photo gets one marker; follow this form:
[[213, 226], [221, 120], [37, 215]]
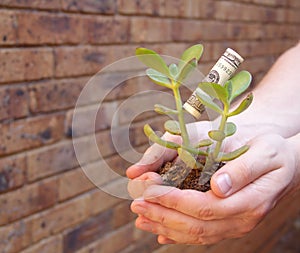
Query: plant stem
[[221, 128], [184, 134]]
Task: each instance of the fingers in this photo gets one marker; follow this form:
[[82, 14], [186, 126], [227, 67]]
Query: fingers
[[182, 228], [153, 158], [137, 186], [240, 172], [204, 206]]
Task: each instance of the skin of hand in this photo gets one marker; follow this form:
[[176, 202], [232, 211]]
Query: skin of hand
[[243, 192]]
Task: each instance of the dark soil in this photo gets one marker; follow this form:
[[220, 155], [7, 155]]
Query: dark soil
[[177, 174]]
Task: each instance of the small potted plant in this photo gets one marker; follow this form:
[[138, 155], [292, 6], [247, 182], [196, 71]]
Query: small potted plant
[[195, 164]]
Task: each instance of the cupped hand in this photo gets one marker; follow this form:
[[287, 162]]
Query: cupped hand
[[243, 192]]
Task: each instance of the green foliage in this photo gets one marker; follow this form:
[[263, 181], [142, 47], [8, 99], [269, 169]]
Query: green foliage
[[212, 95], [173, 127]]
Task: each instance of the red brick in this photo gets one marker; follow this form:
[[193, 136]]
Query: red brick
[[46, 28], [144, 29], [122, 214], [175, 8], [85, 149], [112, 242], [50, 160], [30, 133], [73, 183], [191, 30], [273, 3], [139, 7], [104, 6], [15, 236], [8, 25], [86, 178], [37, 4], [95, 147], [62, 216], [97, 226], [293, 16], [13, 102], [90, 119], [49, 245], [28, 200], [87, 232], [107, 30], [12, 172], [76, 61], [55, 95], [24, 64], [294, 3], [102, 201]]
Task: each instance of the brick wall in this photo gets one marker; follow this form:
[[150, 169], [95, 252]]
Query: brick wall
[[49, 50]]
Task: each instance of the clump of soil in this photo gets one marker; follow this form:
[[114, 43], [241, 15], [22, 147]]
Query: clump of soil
[[177, 174]]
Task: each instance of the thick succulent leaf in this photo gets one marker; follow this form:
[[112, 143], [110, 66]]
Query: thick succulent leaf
[[196, 151], [230, 129], [243, 105], [215, 90], [158, 78], [207, 101], [155, 138], [193, 52], [186, 69], [187, 158], [173, 127], [228, 87], [240, 82], [216, 135], [204, 143], [173, 69], [161, 109], [152, 60], [234, 154]]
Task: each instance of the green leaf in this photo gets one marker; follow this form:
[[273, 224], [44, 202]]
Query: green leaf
[[193, 52], [230, 129], [216, 135], [215, 90], [173, 127], [152, 60], [159, 78], [207, 101], [243, 105], [196, 151], [186, 69], [234, 154], [155, 138], [228, 87], [161, 109], [240, 82], [204, 143], [187, 158], [173, 69]]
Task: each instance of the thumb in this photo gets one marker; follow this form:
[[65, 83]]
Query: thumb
[[152, 159], [261, 158]]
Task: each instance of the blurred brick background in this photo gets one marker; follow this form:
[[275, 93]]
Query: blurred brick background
[[49, 50]]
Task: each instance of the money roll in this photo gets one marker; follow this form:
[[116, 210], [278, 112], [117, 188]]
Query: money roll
[[221, 72]]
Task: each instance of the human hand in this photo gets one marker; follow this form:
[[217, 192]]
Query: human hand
[[252, 185]]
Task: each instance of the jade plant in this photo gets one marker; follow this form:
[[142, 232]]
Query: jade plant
[[207, 155]]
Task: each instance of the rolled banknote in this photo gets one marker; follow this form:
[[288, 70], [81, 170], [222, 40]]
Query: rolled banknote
[[221, 72]]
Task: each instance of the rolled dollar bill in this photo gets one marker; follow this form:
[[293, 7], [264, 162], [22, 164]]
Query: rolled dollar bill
[[220, 73]]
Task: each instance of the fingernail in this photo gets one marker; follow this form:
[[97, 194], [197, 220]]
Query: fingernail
[[138, 209], [224, 183]]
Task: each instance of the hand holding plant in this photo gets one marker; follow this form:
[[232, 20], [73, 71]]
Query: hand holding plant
[[206, 156]]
